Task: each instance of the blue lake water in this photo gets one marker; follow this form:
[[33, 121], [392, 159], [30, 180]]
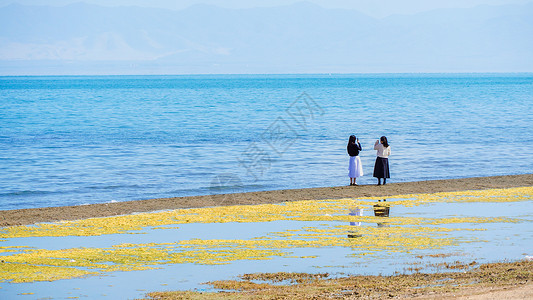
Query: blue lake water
[[92, 139]]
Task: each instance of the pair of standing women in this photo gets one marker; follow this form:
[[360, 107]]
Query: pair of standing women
[[381, 167]]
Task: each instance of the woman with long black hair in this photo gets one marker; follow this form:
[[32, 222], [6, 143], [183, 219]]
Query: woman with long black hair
[[355, 168], [381, 168]]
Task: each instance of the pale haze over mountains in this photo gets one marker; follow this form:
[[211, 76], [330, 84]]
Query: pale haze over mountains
[[297, 38]]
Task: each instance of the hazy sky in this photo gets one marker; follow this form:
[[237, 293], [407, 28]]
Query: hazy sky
[[455, 39], [375, 8]]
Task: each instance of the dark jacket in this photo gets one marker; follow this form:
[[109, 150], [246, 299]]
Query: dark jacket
[[353, 149]]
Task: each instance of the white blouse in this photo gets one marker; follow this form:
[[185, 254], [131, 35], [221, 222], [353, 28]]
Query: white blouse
[[382, 151]]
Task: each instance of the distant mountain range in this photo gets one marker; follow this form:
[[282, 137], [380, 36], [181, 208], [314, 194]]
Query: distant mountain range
[[298, 38]]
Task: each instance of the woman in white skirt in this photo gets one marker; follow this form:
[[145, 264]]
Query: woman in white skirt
[[355, 168]]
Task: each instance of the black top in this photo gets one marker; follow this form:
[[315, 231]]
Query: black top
[[353, 149]]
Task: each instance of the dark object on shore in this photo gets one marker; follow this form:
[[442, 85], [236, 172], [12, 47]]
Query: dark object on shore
[[381, 210], [354, 235]]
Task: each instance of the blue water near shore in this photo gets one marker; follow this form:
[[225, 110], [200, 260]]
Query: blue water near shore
[[93, 139]]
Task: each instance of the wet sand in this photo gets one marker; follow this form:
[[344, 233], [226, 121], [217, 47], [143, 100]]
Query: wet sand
[[509, 280], [51, 214]]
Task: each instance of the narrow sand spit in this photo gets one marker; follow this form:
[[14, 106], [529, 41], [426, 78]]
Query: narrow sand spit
[[51, 214]]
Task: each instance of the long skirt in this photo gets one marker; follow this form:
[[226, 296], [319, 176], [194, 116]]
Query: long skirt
[[381, 168], [355, 167]]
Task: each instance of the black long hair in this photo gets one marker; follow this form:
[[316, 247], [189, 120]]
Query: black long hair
[[384, 141], [351, 140]]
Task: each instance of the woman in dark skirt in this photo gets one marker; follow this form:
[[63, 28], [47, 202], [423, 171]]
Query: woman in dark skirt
[[381, 168]]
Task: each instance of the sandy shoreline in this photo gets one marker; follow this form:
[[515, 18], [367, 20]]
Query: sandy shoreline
[[50, 214], [507, 280]]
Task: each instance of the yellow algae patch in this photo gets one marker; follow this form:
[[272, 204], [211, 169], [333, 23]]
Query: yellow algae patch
[[165, 227], [488, 196], [11, 249], [19, 273], [50, 265]]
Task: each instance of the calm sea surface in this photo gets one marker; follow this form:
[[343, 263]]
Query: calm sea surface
[[81, 140]]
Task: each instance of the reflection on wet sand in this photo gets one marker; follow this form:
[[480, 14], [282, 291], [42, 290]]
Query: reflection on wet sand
[[355, 212], [382, 209]]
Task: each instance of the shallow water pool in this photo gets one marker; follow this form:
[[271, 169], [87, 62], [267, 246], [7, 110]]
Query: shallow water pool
[[128, 256]]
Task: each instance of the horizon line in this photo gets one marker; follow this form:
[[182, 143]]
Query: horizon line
[[275, 74]]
